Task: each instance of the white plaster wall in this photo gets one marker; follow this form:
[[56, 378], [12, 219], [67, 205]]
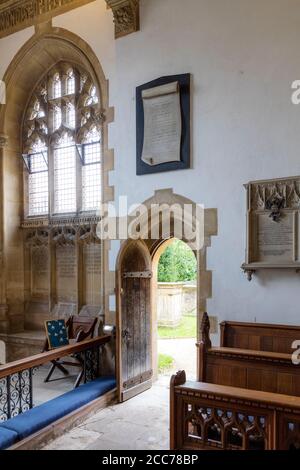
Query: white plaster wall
[[243, 55], [9, 47]]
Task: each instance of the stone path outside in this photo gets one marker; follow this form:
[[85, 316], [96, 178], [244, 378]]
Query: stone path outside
[[183, 352]]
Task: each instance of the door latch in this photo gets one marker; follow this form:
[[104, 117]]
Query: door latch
[[126, 335]]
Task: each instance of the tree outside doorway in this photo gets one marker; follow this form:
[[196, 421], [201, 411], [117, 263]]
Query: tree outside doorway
[[176, 307]]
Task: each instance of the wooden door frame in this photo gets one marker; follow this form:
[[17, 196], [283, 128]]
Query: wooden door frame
[[204, 276], [124, 247], [152, 252]]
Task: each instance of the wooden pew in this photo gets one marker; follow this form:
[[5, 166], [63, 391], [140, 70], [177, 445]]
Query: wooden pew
[[215, 417], [258, 336], [250, 369]]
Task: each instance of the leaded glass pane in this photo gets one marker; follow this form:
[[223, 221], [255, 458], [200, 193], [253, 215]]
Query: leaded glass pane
[[65, 180], [63, 126]]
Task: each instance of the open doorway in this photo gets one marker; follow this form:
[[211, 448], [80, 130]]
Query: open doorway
[[136, 285], [175, 302]]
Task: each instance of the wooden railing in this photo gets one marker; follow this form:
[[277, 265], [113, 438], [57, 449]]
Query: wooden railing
[[214, 417], [16, 385]]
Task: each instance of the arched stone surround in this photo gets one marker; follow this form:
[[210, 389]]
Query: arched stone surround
[[44, 49], [156, 247]]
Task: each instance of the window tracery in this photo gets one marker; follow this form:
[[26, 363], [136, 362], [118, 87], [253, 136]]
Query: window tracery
[[62, 144]]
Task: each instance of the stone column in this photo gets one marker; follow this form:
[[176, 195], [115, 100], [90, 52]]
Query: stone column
[[4, 322]]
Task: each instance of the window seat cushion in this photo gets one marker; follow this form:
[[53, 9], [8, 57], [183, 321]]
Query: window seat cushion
[[7, 438], [41, 416]]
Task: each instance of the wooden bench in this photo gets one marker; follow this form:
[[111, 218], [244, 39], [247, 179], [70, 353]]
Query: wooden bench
[[259, 336], [215, 417], [251, 369]]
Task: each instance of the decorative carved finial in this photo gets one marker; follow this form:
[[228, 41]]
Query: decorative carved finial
[[126, 16], [3, 140], [88, 235], [179, 378], [38, 237], [205, 327], [64, 236]]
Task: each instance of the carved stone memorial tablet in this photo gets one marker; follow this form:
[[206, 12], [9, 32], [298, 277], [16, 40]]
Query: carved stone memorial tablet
[[92, 274], [276, 240], [66, 274], [39, 271], [273, 233]]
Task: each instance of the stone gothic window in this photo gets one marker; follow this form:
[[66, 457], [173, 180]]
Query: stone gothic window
[[62, 145]]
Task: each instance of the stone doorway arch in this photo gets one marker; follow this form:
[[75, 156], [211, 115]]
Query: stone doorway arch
[[154, 249]]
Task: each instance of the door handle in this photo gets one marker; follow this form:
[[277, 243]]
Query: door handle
[[126, 335]]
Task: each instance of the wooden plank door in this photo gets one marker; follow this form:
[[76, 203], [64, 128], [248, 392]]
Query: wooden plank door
[[134, 339]]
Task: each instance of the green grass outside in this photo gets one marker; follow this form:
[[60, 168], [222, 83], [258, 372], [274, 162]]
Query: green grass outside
[[186, 329], [165, 363]]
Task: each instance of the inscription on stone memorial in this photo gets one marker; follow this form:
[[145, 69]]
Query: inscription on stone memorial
[[40, 271], [66, 273], [273, 225], [93, 259], [66, 262], [276, 239], [92, 274]]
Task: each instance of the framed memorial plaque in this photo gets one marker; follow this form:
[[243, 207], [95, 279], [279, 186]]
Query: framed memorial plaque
[[273, 225], [163, 125]]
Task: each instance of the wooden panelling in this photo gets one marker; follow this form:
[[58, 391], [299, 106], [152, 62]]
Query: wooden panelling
[[259, 336], [244, 368]]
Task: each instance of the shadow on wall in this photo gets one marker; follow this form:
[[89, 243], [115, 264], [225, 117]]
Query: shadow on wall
[[2, 353]]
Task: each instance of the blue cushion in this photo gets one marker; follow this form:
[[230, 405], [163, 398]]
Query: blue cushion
[[7, 438], [41, 416]]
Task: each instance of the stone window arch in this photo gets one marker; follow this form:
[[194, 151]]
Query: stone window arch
[[62, 144], [49, 52]]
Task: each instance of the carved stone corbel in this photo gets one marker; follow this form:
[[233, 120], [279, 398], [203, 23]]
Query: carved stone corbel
[[126, 16], [249, 273]]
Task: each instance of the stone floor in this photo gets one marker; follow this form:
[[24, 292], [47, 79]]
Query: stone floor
[[141, 423], [144, 420], [58, 385]]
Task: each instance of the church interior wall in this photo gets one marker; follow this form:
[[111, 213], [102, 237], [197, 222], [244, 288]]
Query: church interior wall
[[244, 126]]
